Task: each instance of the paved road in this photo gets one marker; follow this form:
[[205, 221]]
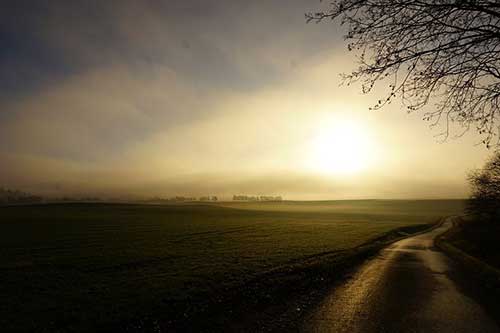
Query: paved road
[[408, 287]]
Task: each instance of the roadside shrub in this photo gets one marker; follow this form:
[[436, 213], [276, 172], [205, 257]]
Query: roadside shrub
[[485, 183]]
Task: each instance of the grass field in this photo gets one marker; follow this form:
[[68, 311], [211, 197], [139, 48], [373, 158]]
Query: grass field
[[76, 267]]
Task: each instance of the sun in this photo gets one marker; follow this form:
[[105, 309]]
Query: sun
[[341, 147]]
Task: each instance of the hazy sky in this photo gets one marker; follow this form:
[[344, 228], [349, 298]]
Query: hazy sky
[[203, 97]]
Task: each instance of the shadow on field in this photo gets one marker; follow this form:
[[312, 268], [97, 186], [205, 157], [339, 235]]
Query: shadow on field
[[276, 300]]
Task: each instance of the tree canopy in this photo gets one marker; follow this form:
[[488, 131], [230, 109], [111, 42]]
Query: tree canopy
[[485, 184], [443, 52]]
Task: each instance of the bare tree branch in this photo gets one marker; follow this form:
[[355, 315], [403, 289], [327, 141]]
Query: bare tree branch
[[442, 50]]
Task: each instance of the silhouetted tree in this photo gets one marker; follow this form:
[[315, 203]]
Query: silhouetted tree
[[447, 49], [485, 183]]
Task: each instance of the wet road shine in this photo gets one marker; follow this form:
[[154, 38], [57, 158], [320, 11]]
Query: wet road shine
[[406, 288]]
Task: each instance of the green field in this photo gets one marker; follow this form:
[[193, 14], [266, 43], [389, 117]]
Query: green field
[[81, 266]]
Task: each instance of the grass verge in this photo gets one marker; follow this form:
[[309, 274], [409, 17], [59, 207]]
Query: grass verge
[[458, 243], [449, 242]]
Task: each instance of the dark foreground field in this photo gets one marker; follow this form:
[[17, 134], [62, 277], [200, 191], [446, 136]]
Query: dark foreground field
[[85, 267]]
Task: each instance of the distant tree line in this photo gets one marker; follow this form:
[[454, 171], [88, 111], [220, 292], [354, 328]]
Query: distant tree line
[[77, 199], [256, 198], [8, 196], [485, 183], [209, 198], [182, 199]]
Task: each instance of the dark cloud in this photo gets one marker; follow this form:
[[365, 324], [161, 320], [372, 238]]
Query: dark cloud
[[65, 64], [221, 43]]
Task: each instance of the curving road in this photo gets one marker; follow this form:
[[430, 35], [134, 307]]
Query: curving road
[[408, 287]]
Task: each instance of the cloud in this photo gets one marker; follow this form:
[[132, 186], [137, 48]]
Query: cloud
[[190, 97]]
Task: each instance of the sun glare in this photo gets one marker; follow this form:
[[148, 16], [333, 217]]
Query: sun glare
[[341, 147]]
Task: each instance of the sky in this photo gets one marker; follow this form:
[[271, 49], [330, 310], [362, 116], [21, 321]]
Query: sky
[[182, 97]]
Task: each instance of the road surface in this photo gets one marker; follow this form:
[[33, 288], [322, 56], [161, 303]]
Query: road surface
[[408, 287]]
